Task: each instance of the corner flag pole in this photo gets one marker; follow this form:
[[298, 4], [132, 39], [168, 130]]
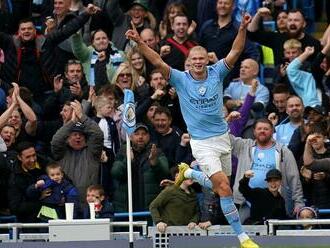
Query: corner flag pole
[[129, 186], [129, 122]]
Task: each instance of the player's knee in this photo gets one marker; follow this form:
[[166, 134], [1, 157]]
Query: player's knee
[[223, 188]]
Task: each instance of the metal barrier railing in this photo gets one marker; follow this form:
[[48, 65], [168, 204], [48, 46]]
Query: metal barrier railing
[[273, 223], [16, 236]]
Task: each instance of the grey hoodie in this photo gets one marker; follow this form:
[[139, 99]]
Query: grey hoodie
[[291, 188]]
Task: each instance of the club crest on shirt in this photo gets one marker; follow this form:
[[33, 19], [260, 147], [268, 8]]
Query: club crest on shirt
[[202, 90], [261, 155]]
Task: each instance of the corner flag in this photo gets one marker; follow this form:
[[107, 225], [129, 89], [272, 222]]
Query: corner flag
[[129, 119]]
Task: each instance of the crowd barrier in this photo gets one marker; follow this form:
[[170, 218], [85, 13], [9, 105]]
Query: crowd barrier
[[162, 240], [74, 230], [102, 229]]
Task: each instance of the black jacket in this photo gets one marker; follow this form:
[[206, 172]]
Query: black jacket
[[33, 63], [25, 209]]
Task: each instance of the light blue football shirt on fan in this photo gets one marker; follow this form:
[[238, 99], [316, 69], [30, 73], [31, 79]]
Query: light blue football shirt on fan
[[201, 101], [263, 161]]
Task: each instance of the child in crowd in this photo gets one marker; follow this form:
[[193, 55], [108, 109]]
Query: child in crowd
[[54, 190], [103, 208], [307, 213], [111, 141], [265, 203], [175, 206], [301, 81], [316, 178]]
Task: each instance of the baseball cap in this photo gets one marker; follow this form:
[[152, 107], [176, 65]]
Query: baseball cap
[[78, 127], [319, 109], [274, 173], [142, 3], [141, 125]]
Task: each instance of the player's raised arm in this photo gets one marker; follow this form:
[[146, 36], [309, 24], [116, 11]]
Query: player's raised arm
[[239, 42], [149, 53]]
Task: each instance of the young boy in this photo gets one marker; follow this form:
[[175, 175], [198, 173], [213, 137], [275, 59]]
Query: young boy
[[54, 191], [111, 142], [316, 178], [103, 208], [301, 81], [265, 203]]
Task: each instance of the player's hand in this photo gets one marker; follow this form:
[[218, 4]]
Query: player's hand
[[212, 57]]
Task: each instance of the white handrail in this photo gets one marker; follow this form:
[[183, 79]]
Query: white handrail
[[272, 222]]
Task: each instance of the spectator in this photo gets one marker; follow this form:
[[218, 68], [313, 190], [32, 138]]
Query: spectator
[[167, 97], [262, 155], [281, 21], [174, 50], [30, 68], [138, 14], [166, 136], [12, 116], [103, 208], [111, 143], [123, 79], [296, 24], [151, 38], [26, 172], [72, 86], [266, 203], [165, 26], [7, 159], [295, 111], [277, 109], [175, 206], [308, 213], [60, 189], [137, 62], [217, 36], [292, 49], [149, 167], [8, 134], [77, 145], [237, 90], [316, 178], [100, 60], [302, 82], [315, 115], [60, 17]]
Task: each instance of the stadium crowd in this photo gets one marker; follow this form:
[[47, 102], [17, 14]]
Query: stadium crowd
[[64, 65]]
